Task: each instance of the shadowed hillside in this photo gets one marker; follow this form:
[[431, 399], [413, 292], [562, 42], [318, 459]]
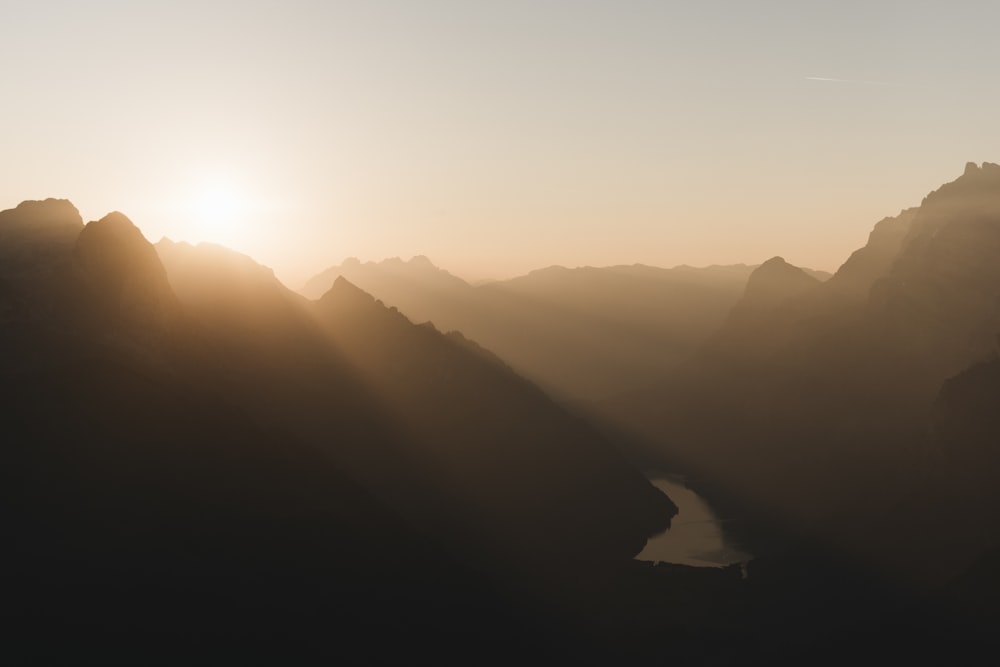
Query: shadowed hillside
[[814, 403], [192, 444], [438, 426], [583, 334]]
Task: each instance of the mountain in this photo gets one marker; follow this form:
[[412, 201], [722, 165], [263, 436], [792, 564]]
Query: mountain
[[582, 334], [395, 282], [772, 283], [131, 489], [967, 429], [869, 263], [814, 404], [457, 428], [201, 465], [35, 239], [197, 459]]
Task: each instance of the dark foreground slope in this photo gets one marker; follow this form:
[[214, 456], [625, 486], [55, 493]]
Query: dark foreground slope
[[440, 428], [494, 443], [194, 469], [146, 517]]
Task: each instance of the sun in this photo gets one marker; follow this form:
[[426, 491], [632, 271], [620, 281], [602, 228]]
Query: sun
[[218, 205], [225, 207], [220, 210]]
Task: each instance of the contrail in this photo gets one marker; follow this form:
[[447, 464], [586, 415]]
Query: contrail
[[858, 81]]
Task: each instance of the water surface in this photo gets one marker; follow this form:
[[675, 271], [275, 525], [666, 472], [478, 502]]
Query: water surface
[[695, 536]]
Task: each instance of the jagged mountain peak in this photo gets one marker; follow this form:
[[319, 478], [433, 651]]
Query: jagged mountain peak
[[343, 283], [344, 287], [397, 273], [971, 168], [772, 285], [124, 272], [973, 195], [775, 278], [869, 263], [346, 297], [111, 243], [976, 185], [774, 263], [40, 222], [50, 211], [415, 262]]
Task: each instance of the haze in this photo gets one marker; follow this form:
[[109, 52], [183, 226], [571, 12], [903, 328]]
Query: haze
[[496, 139], [553, 332]]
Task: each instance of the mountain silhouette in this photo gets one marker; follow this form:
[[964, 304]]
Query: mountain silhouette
[[200, 464], [583, 334], [396, 281], [814, 402], [188, 446], [521, 438], [869, 263], [443, 406], [772, 283], [132, 489]]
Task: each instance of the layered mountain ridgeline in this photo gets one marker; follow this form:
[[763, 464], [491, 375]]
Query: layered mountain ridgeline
[[198, 462], [194, 454], [819, 405], [583, 334], [140, 504], [465, 446]]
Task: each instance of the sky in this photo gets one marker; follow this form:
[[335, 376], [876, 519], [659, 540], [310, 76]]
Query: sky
[[497, 137]]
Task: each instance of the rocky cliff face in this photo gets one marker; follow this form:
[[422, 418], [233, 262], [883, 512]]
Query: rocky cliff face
[[856, 276], [941, 298], [816, 404]]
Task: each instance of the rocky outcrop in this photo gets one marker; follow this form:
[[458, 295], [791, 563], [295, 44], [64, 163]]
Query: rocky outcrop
[[856, 276], [127, 282]]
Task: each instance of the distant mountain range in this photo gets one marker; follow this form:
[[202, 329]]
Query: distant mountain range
[[773, 384], [200, 464], [583, 334]]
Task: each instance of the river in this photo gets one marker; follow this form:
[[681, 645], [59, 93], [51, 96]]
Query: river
[[695, 536]]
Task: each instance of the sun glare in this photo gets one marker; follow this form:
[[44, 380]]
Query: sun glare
[[220, 211]]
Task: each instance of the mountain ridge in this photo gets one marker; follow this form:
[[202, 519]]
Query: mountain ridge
[[194, 453], [558, 325], [843, 381]]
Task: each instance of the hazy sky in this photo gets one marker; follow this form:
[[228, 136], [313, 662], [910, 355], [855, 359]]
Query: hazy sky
[[497, 137]]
